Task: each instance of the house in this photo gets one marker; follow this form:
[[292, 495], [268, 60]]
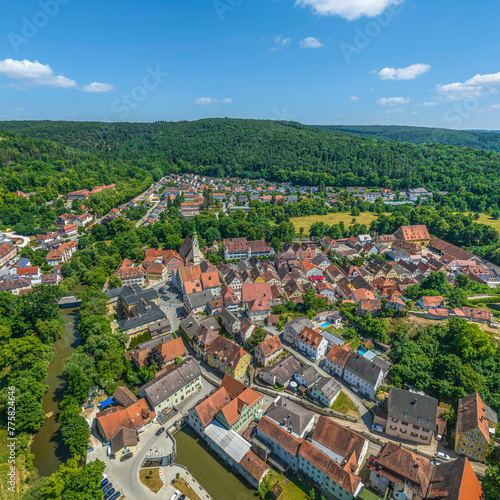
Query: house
[[363, 375], [325, 391], [285, 413], [230, 322], [432, 302], [198, 302], [311, 271], [411, 416], [455, 480], [282, 372], [312, 343], [472, 437], [7, 252], [332, 479], [267, 351], [173, 386], [251, 292], [258, 310], [123, 442], [68, 230], [229, 358], [130, 274], [32, 273], [15, 285], [193, 323], [360, 294], [336, 360], [419, 235], [294, 328], [408, 474], [230, 406], [134, 417], [340, 443], [167, 350], [280, 440], [307, 376]]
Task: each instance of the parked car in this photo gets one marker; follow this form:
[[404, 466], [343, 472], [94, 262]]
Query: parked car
[[439, 437], [159, 431], [369, 462], [126, 457], [109, 494], [104, 482], [116, 495], [433, 462], [377, 428], [182, 497], [107, 488], [175, 495], [442, 456]]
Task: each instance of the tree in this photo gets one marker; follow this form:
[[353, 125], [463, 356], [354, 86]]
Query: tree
[[355, 212], [114, 281], [491, 482], [76, 435]]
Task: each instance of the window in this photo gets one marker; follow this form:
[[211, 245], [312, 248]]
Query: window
[[462, 450], [394, 419], [477, 456], [414, 434], [403, 431], [479, 449], [473, 440], [467, 437], [393, 427]]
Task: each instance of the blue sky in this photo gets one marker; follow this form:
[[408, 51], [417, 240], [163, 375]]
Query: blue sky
[[427, 63]]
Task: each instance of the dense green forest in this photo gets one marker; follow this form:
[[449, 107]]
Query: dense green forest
[[279, 151], [423, 135]]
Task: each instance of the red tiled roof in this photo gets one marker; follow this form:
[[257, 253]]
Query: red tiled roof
[[279, 435], [338, 355]]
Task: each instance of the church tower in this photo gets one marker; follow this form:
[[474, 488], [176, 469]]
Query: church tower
[[196, 248]]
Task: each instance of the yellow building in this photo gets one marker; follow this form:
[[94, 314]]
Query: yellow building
[[229, 358]]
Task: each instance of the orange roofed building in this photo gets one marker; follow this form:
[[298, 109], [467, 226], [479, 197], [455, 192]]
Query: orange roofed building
[[419, 235], [230, 406]]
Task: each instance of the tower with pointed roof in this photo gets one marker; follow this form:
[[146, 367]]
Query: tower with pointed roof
[[196, 248]]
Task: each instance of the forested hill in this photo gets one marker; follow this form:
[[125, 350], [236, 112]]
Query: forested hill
[[43, 166], [422, 135], [279, 151]]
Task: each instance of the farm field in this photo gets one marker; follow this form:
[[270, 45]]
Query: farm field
[[308, 221]]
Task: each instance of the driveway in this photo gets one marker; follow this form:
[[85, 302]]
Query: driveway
[[25, 239]]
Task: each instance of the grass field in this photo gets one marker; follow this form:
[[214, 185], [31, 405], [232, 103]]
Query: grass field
[[487, 220], [151, 479], [292, 489], [307, 222], [182, 485], [343, 404]]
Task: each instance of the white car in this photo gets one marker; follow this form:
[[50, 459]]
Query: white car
[[176, 494], [377, 428], [442, 456], [439, 437]]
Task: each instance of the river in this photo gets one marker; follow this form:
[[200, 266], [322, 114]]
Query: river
[[47, 445], [210, 473]]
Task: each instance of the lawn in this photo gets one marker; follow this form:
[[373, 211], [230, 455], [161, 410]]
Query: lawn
[[343, 404], [151, 479], [293, 489], [181, 485], [330, 219], [486, 219]]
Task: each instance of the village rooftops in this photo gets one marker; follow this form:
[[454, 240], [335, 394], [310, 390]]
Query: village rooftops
[[284, 412]]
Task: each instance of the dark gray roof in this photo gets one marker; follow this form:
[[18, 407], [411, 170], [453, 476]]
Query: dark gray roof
[[150, 344], [144, 314], [193, 322], [382, 363], [491, 415], [200, 299], [320, 258], [298, 324], [328, 386], [309, 374], [363, 368], [286, 368], [170, 382], [283, 410], [228, 316], [412, 408]]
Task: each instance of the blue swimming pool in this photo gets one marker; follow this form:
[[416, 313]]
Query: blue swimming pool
[[361, 351], [325, 324]]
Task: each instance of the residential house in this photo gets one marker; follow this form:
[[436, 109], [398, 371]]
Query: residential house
[[230, 322], [419, 235], [312, 343], [432, 302], [411, 416], [7, 252], [472, 436], [363, 375], [294, 328], [325, 391], [267, 351], [229, 358], [173, 386], [336, 360], [307, 376], [297, 420], [282, 372]]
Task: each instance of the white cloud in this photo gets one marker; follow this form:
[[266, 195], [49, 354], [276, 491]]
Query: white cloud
[[311, 43], [98, 88], [281, 42], [493, 107], [428, 104], [354, 98], [408, 73], [393, 101], [34, 74], [204, 101], [348, 9], [475, 87]]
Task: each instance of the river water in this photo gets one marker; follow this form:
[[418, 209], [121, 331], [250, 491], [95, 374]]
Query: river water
[[47, 445], [210, 473]]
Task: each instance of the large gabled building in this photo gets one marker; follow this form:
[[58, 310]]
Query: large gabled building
[[228, 357]]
